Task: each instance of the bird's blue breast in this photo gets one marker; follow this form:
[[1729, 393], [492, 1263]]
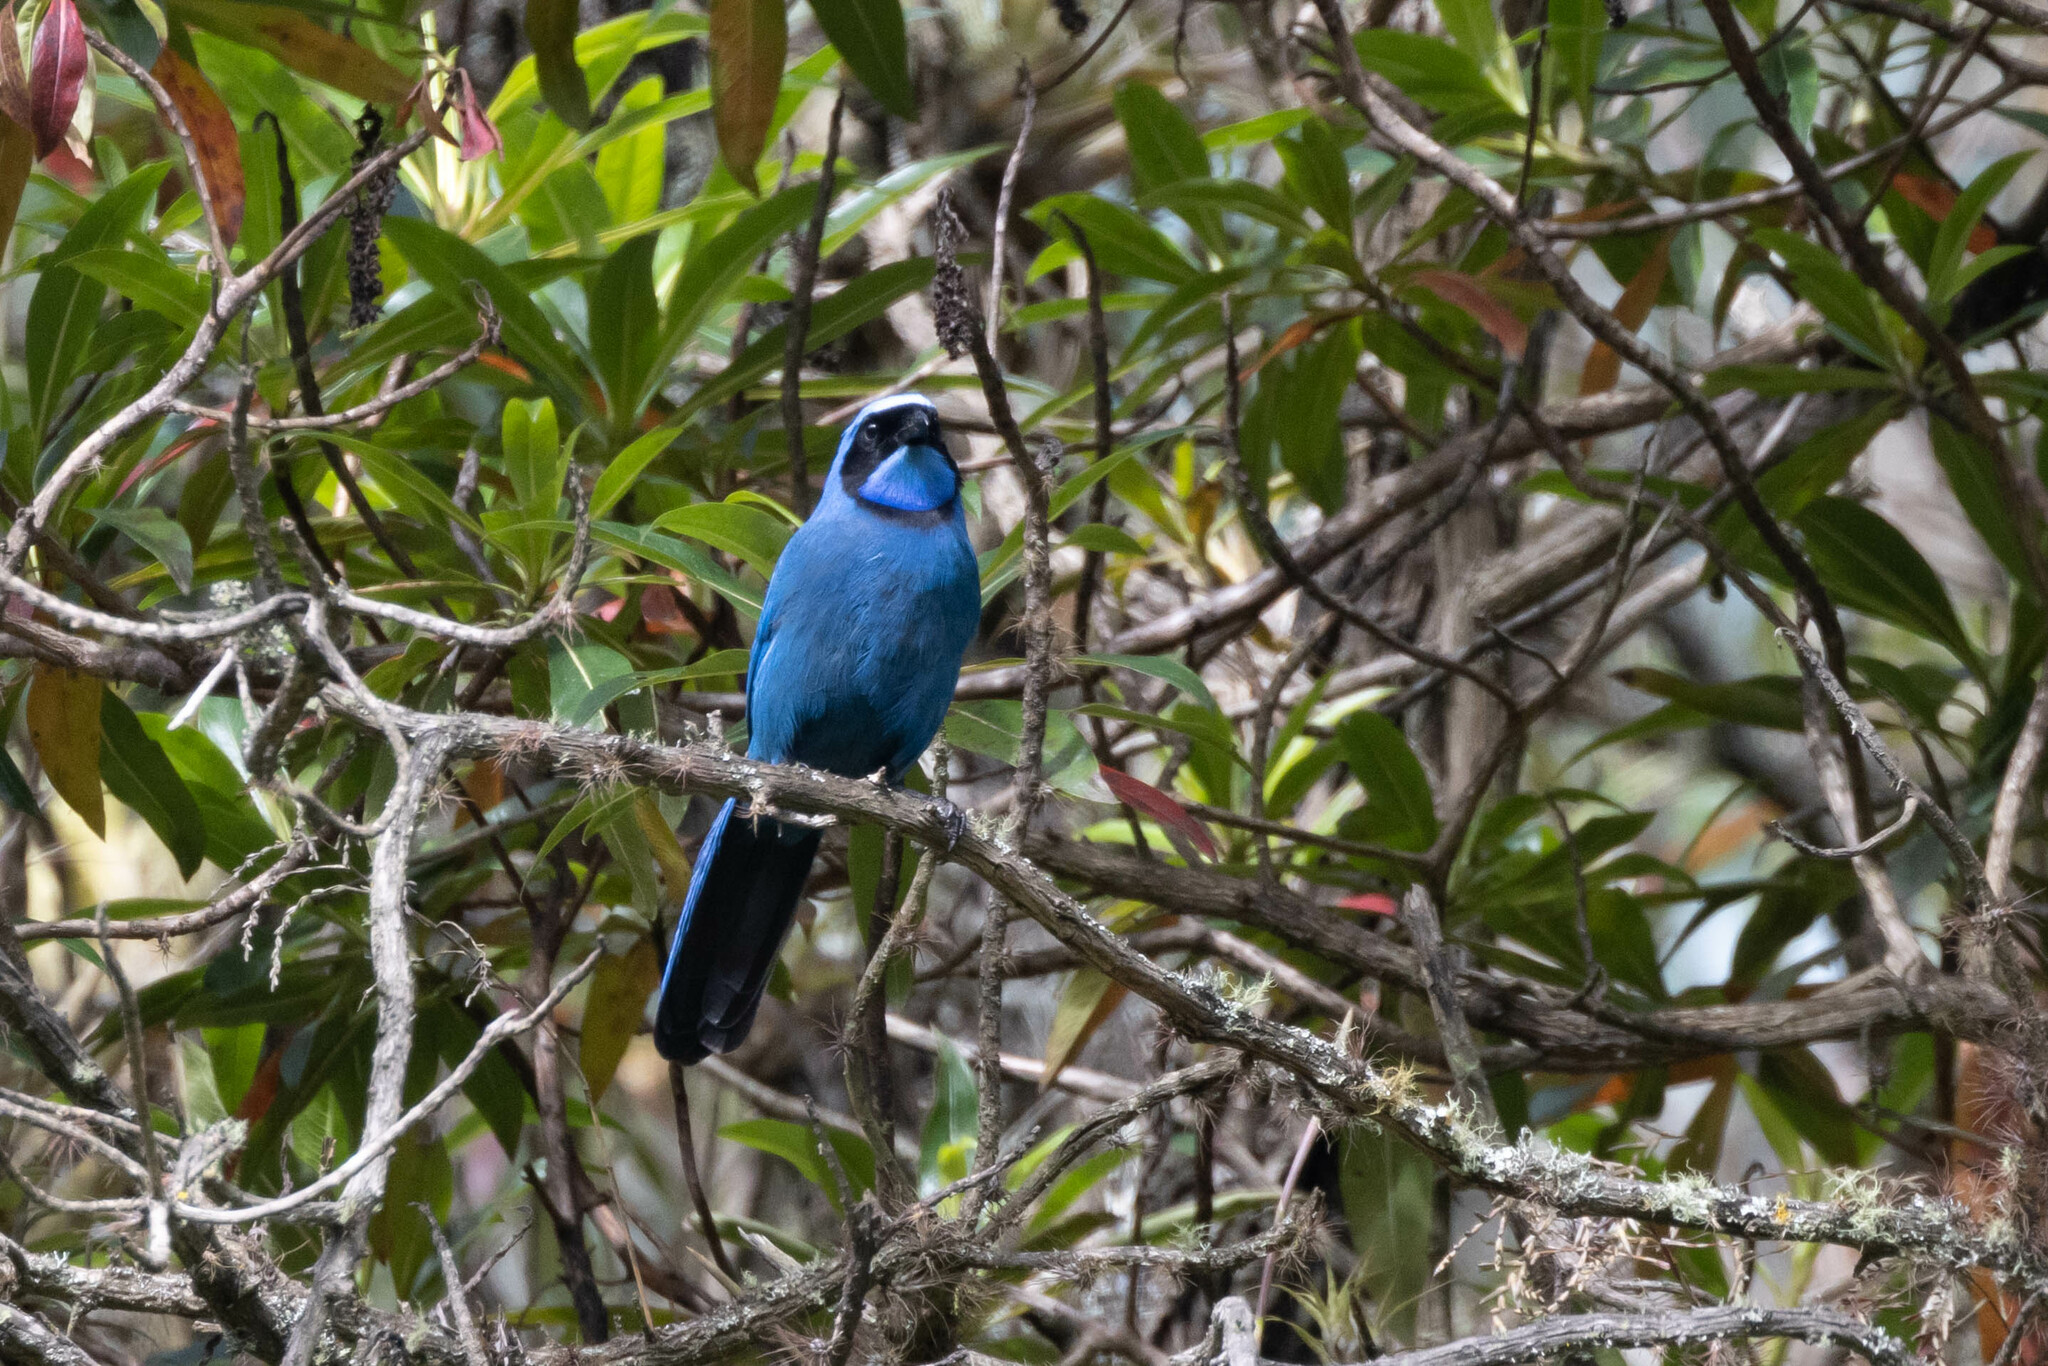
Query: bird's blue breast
[[867, 616]]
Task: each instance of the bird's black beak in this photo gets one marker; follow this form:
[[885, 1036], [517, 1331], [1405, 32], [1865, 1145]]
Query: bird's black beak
[[919, 428]]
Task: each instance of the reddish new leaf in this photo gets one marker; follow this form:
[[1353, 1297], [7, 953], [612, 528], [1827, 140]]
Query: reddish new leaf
[[1937, 199], [1632, 310], [661, 613], [1462, 291], [1148, 800], [479, 134], [213, 134], [749, 40], [57, 74]]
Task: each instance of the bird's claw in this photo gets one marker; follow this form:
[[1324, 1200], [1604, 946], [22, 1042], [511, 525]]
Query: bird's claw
[[953, 820]]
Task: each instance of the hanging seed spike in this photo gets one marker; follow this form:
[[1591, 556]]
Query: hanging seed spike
[[366, 225]]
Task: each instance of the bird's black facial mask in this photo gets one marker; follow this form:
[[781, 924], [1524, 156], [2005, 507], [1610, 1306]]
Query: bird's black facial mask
[[898, 460]]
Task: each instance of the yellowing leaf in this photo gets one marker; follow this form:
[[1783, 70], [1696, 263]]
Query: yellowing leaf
[[213, 133], [619, 989], [749, 40], [64, 727], [668, 851], [17, 158], [1088, 999], [1631, 310], [301, 44]]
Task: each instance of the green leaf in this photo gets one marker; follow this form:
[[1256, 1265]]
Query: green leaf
[[575, 672], [14, 789], [679, 555], [1399, 810], [551, 33], [1315, 173], [1870, 567], [749, 40], [1388, 1192], [1200, 724], [421, 1173], [738, 528], [1308, 389], [798, 1146], [1578, 29], [711, 270], [124, 22], [451, 265], [302, 44], [64, 310], [147, 278], [1163, 667], [1973, 478], [994, 727], [535, 460], [1953, 235], [1107, 540], [860, 300], [235, 828], [138, 772], [1793, 77], [1199, 201], [953, 1117], [1431, 71], [163, 539], [1770, 701], [626, 468], [717, 664], [1832, 288], [593, 811], [1123, 242], [405, 484], [871, 40], [1164, 150], [1478, 34], [625, 343]]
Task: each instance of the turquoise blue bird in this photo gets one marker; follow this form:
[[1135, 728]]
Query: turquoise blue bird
[[868, 614]]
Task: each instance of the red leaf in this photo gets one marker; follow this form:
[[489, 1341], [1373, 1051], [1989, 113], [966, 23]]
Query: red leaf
[[661, 613], [479, 134], [56, 74], [213, 134], [1462, 291], [1938, 200], [1149, 800], [1378, 903]]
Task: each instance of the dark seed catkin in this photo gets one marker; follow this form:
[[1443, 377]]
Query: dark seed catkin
[[366, 224]]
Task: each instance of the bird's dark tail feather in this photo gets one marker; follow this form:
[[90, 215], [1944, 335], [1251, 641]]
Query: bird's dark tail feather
[[749, 876]]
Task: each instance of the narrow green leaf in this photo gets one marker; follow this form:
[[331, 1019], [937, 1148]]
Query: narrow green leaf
[[138, 772], [1399, 809], [551, 33], [871, 40]]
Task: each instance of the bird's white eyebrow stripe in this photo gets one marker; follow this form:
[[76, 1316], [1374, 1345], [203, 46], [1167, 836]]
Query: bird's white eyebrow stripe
[[880, 405]]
